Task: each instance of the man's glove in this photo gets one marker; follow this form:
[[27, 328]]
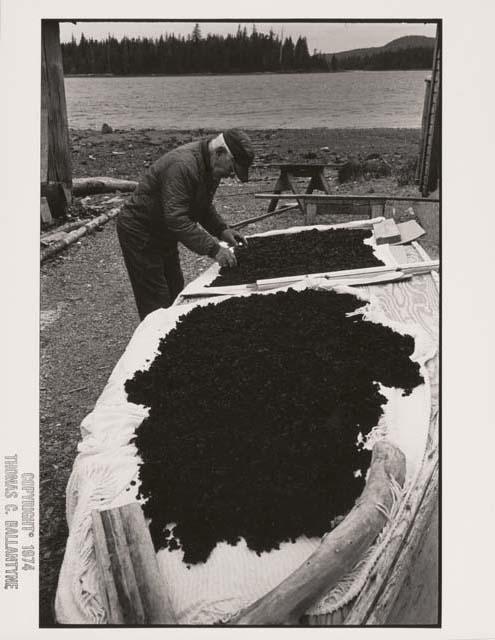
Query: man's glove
[[233, 237], [225, 257]]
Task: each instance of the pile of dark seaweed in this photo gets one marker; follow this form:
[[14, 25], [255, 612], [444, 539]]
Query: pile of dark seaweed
[[299, 253], [256, 404]]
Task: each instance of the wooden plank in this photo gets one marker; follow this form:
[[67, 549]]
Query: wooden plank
[[350, 281], [415, 268], [339, 550], [108, 590], [340, 274], [409, 231], [414, 301], [122, 568], [386, 232], [295, 166], [326, 197], [129, 574], [419, 268], [411, 594], [154, 596]]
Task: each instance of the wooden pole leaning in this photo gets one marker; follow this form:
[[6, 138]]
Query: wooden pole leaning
[[56, 167], [339, 550], [130, 580]]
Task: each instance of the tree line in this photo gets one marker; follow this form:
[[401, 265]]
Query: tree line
[[387, 59], [172, 54]]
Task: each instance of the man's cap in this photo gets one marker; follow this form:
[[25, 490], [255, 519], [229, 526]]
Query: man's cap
[[241, 147]]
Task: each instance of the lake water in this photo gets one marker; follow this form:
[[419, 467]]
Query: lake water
[[353, 99]]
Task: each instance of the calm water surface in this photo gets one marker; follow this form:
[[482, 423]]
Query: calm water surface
[[352, 99]]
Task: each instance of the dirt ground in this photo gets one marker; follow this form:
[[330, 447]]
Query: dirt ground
[[87, 307]]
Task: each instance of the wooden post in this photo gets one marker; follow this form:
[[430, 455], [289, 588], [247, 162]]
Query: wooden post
[[46, 216], [430, 156], [424, 125], [56, 170], [310, 213], [130, 581]]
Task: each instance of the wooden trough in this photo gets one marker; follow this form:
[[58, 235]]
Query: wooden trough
[[394, 593]]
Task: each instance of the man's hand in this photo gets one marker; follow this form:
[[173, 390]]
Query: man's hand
[[233, 237], [225, 257]]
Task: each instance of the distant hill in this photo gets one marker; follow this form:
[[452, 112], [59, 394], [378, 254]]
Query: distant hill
[[406, 42], [408, 52]]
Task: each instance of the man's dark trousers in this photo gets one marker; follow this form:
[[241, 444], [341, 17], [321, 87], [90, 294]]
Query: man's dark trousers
[[154, 268]]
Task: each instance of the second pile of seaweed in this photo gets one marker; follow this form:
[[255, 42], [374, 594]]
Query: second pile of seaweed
[[256, 404], [294, 254]]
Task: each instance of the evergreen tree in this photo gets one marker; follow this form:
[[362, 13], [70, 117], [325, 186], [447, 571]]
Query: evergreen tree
[[301, 54], [239, 53], [196, 34], [288, 54]]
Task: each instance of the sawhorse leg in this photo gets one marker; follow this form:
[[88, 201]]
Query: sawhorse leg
[[318, 181], [282, 184]]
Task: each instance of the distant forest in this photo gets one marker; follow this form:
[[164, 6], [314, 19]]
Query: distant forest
[[171, 54], [386, 59]]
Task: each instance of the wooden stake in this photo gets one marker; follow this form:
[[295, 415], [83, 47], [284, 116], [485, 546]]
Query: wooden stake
[[130, 579], [46, 216]]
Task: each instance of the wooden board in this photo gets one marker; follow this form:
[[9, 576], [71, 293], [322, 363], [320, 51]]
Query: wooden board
[[386, 232], [409, 231], [418, 598], [324, 197]]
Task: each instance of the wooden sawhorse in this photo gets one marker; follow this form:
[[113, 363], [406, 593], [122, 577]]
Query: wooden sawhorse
[[290, 170]]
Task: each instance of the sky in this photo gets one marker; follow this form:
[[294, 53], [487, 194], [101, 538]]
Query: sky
[[324, 37]]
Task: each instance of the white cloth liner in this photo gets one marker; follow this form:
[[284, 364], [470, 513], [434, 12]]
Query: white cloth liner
[[200, 286], [233, 577]]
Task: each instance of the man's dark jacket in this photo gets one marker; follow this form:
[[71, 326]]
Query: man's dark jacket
[[173, 197]]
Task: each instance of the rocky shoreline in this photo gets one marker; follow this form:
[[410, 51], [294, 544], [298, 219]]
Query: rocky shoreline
[[127, 153]]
